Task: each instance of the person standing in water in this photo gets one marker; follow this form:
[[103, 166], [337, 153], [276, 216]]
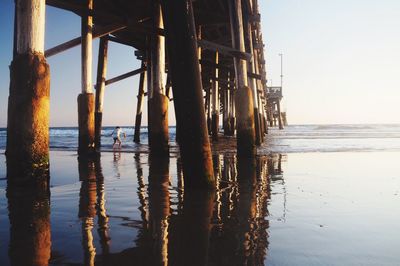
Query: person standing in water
[[116, 134]]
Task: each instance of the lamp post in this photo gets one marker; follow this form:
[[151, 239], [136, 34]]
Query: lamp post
[[281, 56]]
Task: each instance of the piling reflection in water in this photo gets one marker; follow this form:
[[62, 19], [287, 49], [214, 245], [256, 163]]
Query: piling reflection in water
[[92, 202], [177, 226], [87, 207], [228, 226], [159, 207], [29, 215]]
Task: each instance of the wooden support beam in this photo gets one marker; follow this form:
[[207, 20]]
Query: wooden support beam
[[100, 88], [223, 81], [224, 49], [254, 76], [125, 76], [215, 101], [220, 66], [255, 18], [28, 101], [97, 33], [253, 83], [187, 88], [158, 101], [139, 106], [86, 101], [278, 107], [228, 68], [30, 26], [83, 11], [118, 40], [243, 98], [86, 48]]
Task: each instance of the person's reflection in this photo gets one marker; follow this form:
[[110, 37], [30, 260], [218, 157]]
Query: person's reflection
[[87, 207], [117, 158], [29, 214], [159, 207]]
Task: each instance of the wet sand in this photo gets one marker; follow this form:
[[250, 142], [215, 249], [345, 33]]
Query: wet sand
[[295, 209]]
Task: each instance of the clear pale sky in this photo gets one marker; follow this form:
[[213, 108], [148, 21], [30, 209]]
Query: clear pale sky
[[341, 62]]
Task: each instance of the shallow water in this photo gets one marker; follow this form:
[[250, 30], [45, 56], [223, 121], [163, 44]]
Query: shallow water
[[295, 138], [314, 208]]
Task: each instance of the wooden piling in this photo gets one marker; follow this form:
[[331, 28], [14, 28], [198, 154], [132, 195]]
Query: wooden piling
[[278, 104], [271, 115], [245, 131], [253, 81], [100, 88], [194, 144], [232, 120], [139, 106], [225, 93], [158, 101], [28, 102], [215, 101], [86, 101], [208, 111]]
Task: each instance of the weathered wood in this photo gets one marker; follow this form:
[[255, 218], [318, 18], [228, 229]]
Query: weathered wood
[[86, 103], [224, 49], [245, 131], [87, 31], [139, 106], [30, 26], [100, 88], [278, 105], [86, 98], [254, 75], [232, 109], [188, 94], [105, 14], [97, 33], [158, 101], [208, 109], [252, 81], [215, 101], [125, 76], [28, 102]]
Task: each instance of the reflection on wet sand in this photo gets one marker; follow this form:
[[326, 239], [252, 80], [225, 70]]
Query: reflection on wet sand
[[29, 215], [159, 207], [228, 226], [223, 227], [87, 207], [92, 202]]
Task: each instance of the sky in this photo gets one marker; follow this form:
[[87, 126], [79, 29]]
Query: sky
[[341, 63]]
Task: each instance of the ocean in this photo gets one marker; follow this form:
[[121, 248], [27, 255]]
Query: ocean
[[295, 138], [314, 195]]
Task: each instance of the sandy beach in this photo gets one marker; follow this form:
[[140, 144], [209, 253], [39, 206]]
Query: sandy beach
[[333, 208]]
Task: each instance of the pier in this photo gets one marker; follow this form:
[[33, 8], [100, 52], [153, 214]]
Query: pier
[[204, 57]]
